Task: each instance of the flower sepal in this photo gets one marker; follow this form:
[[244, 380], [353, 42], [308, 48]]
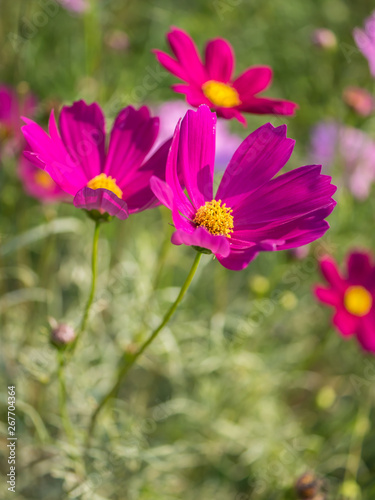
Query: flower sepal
[[202, 250], [98, 216]]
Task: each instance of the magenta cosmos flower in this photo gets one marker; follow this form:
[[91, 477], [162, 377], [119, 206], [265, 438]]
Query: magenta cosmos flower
[[351, 296], [252, 211], [211, 83], [12, 106], [365, 40], [115, 182]]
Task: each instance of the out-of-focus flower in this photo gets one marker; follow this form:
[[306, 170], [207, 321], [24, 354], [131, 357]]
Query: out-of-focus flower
[[365, 40], [324, 38], [360, 100], [62, 334], [300, 253], [171, 112], [114, 182], [211, 83], [117, 40], [352, 297], [252, 211], [351, 146], [38, 184], [13, 104], [75, 5]]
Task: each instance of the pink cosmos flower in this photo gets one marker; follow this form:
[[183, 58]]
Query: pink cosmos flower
[[211, 83], [252, 211], [12, 106], [352, 147], [365, 40], [38, 184], [170, 112], [115, 182], [352, 297]]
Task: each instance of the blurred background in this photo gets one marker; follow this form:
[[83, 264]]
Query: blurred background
[[249, 386]]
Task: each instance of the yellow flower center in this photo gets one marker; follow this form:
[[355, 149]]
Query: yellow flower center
[[43, 179], [103, 181], [215, 217], [221, 94], [358, 300]]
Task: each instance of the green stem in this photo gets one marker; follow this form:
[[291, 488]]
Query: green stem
[[129, 359], [94, 262], [63, 399]]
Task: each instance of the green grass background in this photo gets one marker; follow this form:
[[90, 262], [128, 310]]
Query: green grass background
[[249, 386]]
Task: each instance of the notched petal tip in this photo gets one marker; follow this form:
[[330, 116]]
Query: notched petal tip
[[101, 200]]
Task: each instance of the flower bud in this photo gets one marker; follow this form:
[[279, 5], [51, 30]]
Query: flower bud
[[62, 335], [117, 40], [307, 486]]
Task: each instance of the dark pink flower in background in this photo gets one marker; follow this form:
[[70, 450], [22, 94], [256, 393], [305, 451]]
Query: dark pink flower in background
[[365, 40], [352, 296], [38, 184], [13, 105], [351, 148], [252, 211], [212, 82], [226, 143], [114, 181]]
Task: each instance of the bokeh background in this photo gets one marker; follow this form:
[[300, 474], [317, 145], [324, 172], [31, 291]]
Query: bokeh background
[[249, 386]]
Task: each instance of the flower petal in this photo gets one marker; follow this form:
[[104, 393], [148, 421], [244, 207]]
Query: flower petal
[[252, 81], [328, 296], [172, 178], [219, 245], [366, 332], [272, 203], [137, 192], [196, 154], [219, 60], [83, 133], [332, 274], [50, 154], [187, 55], [267, 106], [261, 155], [132, 137], [346, 323], [359, 267], [103, 200], [238, 259], [194, 94]]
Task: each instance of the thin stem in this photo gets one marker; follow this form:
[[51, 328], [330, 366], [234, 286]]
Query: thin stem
[[94, 262], [130, 358], [63, 399]]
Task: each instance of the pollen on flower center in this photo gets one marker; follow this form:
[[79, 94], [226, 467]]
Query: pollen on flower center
[[215, 217], [358, 300], [43, 179], [103, 181], [221, 94]]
